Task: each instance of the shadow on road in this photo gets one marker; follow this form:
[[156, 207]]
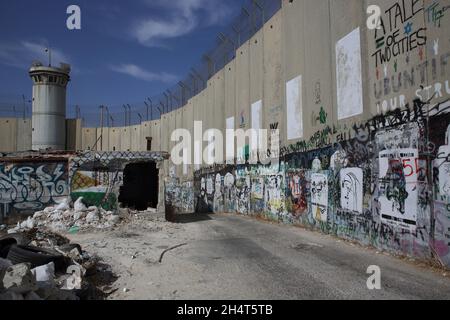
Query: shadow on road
[[191, 217]]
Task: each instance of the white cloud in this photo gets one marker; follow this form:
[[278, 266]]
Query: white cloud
[[183, 16], [21, 55], [142, 74]]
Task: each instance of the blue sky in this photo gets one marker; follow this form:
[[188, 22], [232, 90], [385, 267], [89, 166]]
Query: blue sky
[[125, 51]]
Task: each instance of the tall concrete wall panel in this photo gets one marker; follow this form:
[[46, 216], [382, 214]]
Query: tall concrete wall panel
[[318, 52], [125, 138], [24, 134], [219, 105], [146, 132], [89, 138], [273, 76], [136, 139], [156, 135], [230, 102], [188, 123], [256, 51], [202, 104], [103, 139], [73, 136], [8, 133], [350, 72], [438, 52], [115, 135], [293, 55], [242, 115], [165, 136]]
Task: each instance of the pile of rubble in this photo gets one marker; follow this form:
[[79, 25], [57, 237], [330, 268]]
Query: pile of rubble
[[40, 265], [64, 217]]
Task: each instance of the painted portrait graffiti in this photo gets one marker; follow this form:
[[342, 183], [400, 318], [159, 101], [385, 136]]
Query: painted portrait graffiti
[[352, 190], [297, 193], [229, 192], [319, 197], [218, 193]]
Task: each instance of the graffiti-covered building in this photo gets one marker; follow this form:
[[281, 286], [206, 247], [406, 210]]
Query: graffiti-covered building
[[31, 181]]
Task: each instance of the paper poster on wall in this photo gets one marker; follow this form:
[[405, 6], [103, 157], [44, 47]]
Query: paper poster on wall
[[349, 76], [294, 108], [398, 194], [319, 197], [352, 189], [256, 122]]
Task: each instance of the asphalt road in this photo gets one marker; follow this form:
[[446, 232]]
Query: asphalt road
[[232, 257]]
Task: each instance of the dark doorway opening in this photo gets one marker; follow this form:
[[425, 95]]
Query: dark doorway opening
[[149, 144], [140, 186]]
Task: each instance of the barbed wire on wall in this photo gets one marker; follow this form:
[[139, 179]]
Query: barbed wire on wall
[[250, 20]]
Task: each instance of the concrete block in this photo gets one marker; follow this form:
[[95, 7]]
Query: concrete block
[[19, 279]]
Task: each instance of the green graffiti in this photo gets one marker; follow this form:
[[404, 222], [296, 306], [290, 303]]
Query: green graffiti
[[323, 116], [98, 199]]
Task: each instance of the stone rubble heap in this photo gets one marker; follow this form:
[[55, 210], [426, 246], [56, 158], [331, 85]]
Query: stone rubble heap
[[20, 282], [67, 278], [64, 217]]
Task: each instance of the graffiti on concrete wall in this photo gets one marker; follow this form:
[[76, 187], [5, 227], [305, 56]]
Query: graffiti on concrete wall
[[32, 186], [319, 197], [297, 192], [243, 189], [218, 193], [98, 176], [398, 33], [352, 189], [229, 190], [435, 12], [98, 188], [257, 195], [274, 195], [440, 136], [181, 195], [398, 174]]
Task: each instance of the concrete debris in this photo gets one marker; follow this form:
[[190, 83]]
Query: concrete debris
[[19, 279], [63, 218], [74, 280], [79, 205], [92, 217], [45, 273], [3, 227], [63, 206], [4, 265]]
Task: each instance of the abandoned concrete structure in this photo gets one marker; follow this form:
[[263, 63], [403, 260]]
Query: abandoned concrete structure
[[31, 181]]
